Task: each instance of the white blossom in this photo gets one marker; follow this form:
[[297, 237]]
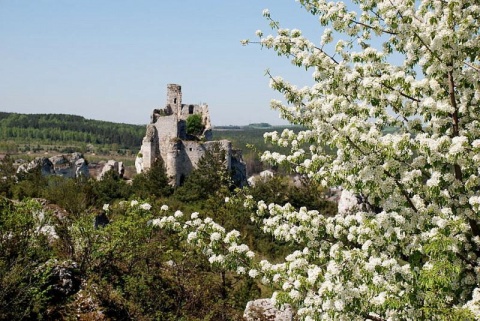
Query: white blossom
[[215, 236], [146, 206], [253, 273], [178, 214]]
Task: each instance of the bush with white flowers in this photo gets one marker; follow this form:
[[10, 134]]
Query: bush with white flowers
[[396, 95]]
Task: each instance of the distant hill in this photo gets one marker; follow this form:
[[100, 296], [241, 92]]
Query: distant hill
[[252, 134], [67, 129]]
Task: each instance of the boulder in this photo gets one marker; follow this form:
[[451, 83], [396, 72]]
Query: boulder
[[264, 309], [46, 166], [62, 166], [73, 165], [63, 279], [112, 165]]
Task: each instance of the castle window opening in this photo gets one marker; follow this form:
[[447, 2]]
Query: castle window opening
[[190, 109], [174, 100], [190, 148]]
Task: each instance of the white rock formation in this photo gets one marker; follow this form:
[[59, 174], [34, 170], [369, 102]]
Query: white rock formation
[[261, 177], [263, 309], [81, 168], [139, 164], [72, 165], [112, 165]]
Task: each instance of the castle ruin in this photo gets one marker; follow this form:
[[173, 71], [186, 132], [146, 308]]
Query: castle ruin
[[167, 138]]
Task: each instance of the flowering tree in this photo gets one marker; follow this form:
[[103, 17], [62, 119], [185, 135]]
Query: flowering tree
[[411, 66]]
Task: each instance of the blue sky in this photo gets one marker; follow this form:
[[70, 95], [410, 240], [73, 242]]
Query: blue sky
[[112, 59]]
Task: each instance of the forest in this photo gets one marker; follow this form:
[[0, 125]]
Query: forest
[[68, 128]]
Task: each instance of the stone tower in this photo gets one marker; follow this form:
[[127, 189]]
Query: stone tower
[[174, 98]]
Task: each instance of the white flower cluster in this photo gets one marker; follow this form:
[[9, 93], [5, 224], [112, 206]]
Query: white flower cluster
[[474, 304], [222, 248], [135, 203]]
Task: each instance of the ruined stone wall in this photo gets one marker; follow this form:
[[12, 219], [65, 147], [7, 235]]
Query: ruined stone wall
[[188, 110], [226, 145], [172, 158], [186, 164], [190, 152], [194, 154], [167, 129]]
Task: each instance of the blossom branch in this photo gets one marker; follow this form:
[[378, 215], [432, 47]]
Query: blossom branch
[[373, 28], [400, 92]]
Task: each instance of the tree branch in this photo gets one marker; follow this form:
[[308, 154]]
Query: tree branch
[[400, 92], [372, 28]]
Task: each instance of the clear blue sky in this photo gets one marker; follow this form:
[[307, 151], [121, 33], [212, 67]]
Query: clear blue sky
[[112, 59]]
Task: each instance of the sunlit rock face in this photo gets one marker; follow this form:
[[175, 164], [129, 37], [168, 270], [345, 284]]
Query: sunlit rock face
[[139, 164]]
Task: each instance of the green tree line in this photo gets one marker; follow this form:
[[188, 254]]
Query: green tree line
[[68, 128]]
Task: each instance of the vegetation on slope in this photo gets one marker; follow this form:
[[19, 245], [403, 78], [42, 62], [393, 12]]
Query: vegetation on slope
[[127, 269]]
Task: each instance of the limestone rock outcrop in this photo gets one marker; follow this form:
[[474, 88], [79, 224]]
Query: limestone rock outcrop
[[46, 166], [64, 278], [73, 165], [112, 165], [81, 168], [264, 309], [139, 163]]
